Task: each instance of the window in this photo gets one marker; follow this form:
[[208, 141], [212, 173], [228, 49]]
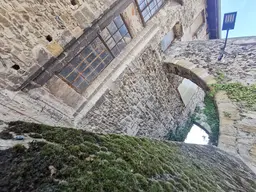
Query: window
[[87, 65], [116, 35], [149, 7]]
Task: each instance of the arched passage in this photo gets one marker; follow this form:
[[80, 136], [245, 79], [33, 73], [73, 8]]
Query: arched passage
[[201, 77], [188, 70]]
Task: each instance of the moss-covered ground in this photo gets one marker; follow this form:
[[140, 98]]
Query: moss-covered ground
[[75, 160]]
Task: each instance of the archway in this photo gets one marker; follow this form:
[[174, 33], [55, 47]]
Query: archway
[[204, 80]]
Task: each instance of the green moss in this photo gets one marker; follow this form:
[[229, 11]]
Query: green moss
[[35, 135], [90, 162], [5, 135], [211, 113], [238, 92]]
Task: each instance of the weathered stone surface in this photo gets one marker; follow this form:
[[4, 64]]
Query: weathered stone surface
[[70, 157], [25, 25], [236, 122], [132, 19]]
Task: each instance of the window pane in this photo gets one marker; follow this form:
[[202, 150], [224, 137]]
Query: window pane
[[65, 72], [121, 44], [153, 11], [149, 7], [83, 85], [117, 36], [119, 33], [108, 59], [91, 57], [111, 43], [123, 30], [118, 21], [142, 6], [91, 77], [152, 5], [140, 1], [115, 51], [72, 76], [105, 34], [104, 55], [81, 67], [76, 61], [86, 51], [96, 63], [145, 12], [78, 81], [87, 72], [147, 17], [100, 67], [112, 28]]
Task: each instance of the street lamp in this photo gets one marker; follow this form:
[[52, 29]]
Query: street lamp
[[228, 24]]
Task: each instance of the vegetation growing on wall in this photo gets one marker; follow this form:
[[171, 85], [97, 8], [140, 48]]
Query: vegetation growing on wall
[[181, 132], [75, 160], [211, 113], [238, 93]]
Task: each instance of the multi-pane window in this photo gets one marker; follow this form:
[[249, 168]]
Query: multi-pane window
[[87, 65], [149, 7], [116, 35]]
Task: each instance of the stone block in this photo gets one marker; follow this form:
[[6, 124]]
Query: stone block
[[81, 19], [65, 38], [186, 64], [228, 111], [200, 72], [222, 97], [63, 91], [228, 130], [43, 78], [209, 80], [247, 125], [253, 152], [88, 13], [132, 18], [54, 48], [41, 55], [227, 140], [77, 32]]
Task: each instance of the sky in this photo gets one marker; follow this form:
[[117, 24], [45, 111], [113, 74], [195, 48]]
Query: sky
[[246, 17], [197, 135]]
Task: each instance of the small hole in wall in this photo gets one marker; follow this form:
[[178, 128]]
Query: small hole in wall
[[16, 67], [73, 2], [49, 38]]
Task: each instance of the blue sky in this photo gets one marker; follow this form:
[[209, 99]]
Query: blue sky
[[246, 17]]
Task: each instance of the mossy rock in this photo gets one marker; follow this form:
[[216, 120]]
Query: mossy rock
[[76, 160]]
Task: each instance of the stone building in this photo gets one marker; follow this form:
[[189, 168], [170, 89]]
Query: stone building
[[101, 66], [59, 58]]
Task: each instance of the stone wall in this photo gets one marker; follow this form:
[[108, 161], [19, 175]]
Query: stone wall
[[237, 121], [145, 101], [46, 98], [25, 26], [34, 32]]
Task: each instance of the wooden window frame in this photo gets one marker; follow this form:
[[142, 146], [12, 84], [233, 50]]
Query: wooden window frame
[[147, 5], [89, 64]]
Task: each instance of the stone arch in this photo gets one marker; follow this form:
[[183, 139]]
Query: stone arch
[[201, 77], [188, 70]]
